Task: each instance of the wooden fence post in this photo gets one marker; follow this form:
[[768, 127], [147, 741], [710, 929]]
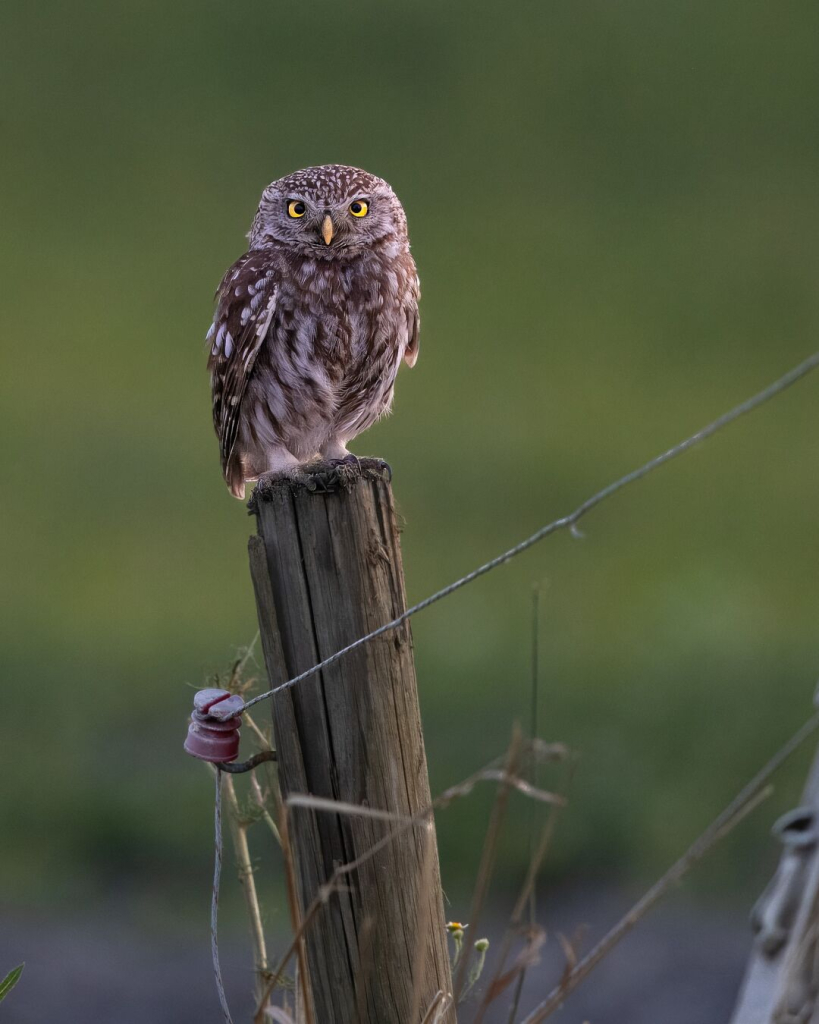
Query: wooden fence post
[[326, 569]]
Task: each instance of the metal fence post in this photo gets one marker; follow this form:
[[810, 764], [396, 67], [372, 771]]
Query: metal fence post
[[781, 984]]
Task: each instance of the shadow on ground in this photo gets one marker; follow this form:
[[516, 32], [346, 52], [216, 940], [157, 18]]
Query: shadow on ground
[[681, 965]]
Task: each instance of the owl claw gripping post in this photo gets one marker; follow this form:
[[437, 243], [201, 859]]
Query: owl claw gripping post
[[311, 323]]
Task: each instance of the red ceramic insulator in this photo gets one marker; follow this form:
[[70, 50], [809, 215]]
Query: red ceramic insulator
[[210, 736]]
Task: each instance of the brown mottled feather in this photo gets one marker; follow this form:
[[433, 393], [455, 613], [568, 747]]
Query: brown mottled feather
[[308, 336]]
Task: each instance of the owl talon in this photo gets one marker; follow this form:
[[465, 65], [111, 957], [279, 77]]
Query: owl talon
[[321, 477], [379, 467], [308, 482], [329, 475], [348, 460]]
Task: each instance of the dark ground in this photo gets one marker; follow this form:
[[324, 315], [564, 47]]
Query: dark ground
[[682, 965]]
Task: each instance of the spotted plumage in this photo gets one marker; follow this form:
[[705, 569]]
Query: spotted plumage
[[311, 323]]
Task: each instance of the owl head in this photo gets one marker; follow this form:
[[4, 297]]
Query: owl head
[[330, 212]]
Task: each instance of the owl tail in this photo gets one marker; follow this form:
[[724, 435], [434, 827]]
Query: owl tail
[[235, 478]]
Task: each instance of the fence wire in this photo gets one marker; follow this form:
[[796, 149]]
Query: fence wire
[[567, 522]]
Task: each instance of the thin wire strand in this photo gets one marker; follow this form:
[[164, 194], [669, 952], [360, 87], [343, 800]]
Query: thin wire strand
[[569, 521], [747, 798], [214, 906]]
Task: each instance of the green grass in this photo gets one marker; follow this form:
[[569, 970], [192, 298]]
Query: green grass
[[615, 215]]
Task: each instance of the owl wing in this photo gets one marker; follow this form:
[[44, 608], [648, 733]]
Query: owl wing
[[411, 351], [245, 304], [413, 321]]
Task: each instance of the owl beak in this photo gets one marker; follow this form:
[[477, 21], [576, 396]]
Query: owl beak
[[327, 229]]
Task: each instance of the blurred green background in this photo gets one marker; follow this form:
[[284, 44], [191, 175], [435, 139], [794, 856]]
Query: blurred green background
[[615, 213]]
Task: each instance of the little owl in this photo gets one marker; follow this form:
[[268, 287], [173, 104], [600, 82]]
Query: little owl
[[311, 323]]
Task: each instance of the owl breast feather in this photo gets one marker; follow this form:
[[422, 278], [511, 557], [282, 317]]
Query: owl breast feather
[[327, 364]]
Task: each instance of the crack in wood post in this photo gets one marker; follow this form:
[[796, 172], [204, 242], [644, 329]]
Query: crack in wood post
[[326, 569]]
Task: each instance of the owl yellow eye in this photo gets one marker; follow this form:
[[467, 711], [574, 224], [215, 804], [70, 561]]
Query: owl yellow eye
[[359, 208], [296, 208]]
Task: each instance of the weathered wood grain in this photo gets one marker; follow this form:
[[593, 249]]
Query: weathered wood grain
[[327, 569]]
